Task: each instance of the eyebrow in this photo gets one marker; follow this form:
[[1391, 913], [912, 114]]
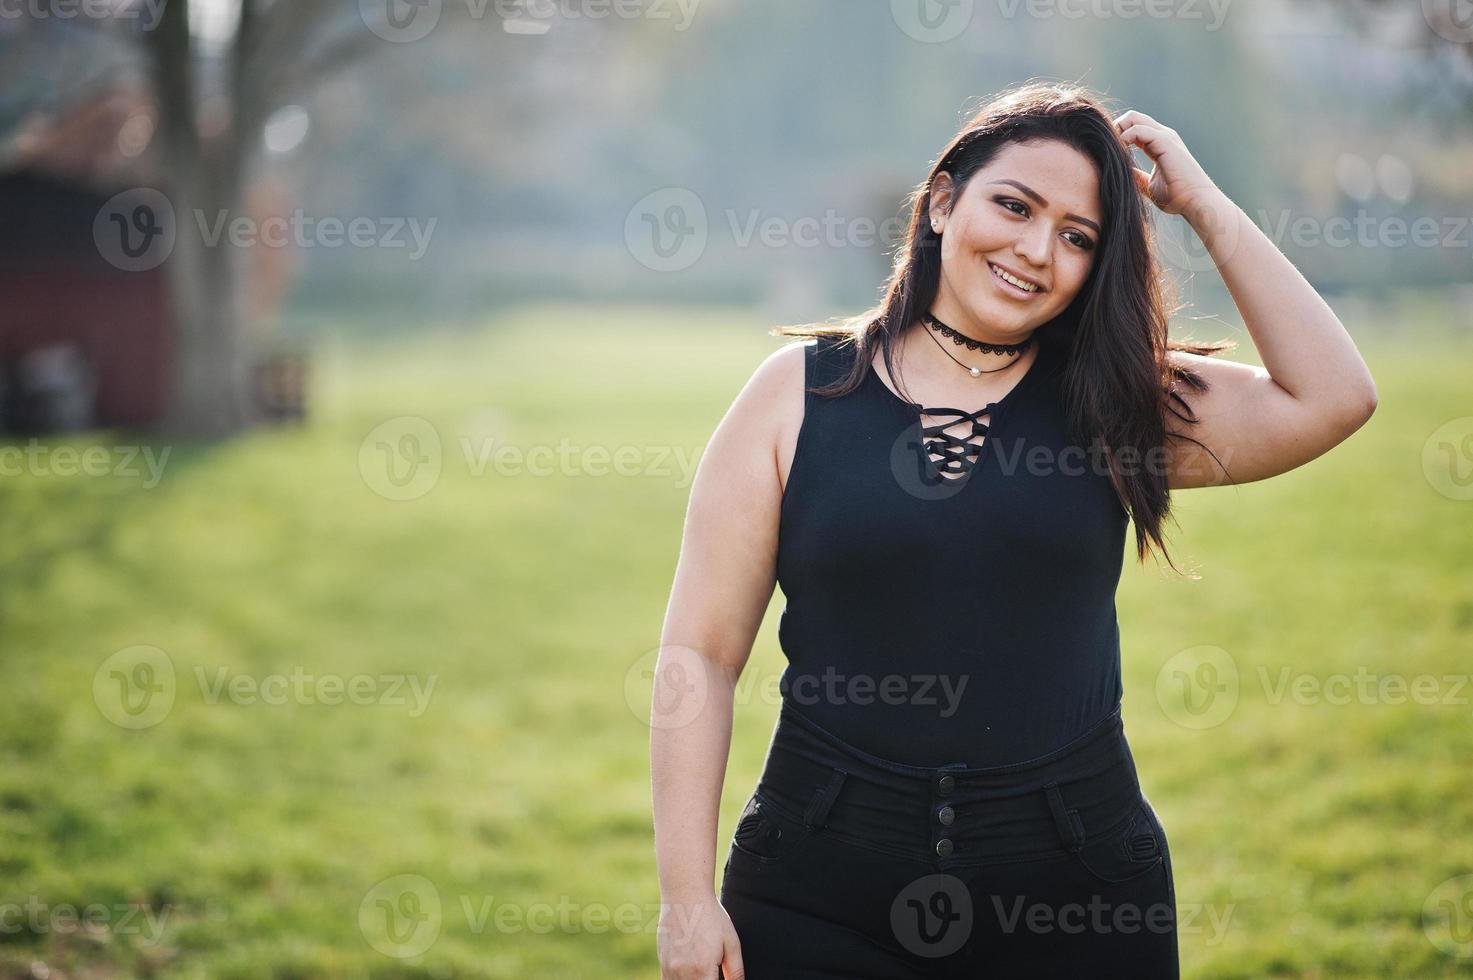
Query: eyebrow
[[1037, 197]]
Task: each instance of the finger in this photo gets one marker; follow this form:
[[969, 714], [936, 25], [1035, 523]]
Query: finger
[[1136, 116], [732, 964], [1149, 138]]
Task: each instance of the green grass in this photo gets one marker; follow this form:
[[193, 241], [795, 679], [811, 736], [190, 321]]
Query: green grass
[[253, 832]]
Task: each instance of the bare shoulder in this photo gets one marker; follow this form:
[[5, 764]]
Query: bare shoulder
[[777, 387], [759, 431], [783, 368]]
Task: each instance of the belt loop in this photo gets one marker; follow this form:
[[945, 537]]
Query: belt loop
[[823, 800], [1066, 820]]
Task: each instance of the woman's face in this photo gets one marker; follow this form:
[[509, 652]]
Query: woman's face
[[1033, 212]]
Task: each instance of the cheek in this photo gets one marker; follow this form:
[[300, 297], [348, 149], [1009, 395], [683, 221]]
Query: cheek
[[981, 230], [1074, 273]]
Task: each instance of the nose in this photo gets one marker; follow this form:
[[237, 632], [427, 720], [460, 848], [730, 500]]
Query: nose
[[1035, 246]]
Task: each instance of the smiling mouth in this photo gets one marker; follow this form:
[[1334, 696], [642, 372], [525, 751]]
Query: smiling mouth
[[1013, 283]]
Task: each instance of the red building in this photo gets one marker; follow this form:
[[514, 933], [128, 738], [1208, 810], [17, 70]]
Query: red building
[[84, 343], [58, 293]]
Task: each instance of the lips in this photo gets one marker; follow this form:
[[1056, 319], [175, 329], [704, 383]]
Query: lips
[[1011, 287]]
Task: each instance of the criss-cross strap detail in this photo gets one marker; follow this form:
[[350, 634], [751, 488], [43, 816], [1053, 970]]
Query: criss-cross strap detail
[[958, 454]]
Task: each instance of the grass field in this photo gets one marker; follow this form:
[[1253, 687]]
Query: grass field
[[484, 641]]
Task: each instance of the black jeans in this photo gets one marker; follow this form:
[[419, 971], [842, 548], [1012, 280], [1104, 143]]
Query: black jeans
[[845, 865]]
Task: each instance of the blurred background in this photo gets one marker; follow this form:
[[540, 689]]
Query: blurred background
[[355, 361]]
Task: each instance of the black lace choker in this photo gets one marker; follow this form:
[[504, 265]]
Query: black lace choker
[[982, 346]]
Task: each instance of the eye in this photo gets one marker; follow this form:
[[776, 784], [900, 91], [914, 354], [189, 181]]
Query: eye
[[1081, 240], [1077, 239]]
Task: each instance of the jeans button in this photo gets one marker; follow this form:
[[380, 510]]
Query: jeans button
[[945, 785], [944, 847], [946, 815]]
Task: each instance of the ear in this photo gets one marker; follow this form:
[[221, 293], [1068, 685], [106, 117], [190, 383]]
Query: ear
[[941, 203]]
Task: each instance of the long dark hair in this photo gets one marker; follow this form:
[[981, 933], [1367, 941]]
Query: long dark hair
[[1117, 382]]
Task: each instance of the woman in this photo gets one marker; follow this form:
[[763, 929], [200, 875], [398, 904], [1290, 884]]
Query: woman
[[949, 791]]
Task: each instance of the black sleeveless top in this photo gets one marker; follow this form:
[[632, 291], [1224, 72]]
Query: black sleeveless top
[[932, 622]]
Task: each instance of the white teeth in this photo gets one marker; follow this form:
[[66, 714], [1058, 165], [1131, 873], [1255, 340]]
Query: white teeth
[[1014, 280]]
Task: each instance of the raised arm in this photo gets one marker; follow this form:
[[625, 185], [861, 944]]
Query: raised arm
[[1314, 388], [723, 582]]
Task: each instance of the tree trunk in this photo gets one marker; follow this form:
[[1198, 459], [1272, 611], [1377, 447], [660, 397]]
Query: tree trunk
[[211, 392], [212, 395]]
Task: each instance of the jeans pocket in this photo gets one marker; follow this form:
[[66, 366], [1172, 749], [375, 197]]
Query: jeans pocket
[[1126, 852], [760, 840], [1165, 852]]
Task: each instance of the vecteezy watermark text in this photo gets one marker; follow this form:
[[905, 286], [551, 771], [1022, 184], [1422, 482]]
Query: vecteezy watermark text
[[1200, 687], [137, 230], [37, 459], [402, 916], [403, 459], [407, 21], [137, 687], [305, 231], [97, 919], [939, 21], [147, 13], [300, 687]]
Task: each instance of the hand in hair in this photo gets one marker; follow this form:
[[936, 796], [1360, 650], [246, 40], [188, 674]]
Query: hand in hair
[[1178, 182]]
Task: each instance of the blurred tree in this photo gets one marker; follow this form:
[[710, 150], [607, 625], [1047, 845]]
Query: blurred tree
[[209, 136], [216, 71], [1442, 28]]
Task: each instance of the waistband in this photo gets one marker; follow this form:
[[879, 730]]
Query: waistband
[[951, 814]]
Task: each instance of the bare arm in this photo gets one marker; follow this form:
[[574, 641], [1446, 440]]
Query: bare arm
[[723, 582], [1313, 390]]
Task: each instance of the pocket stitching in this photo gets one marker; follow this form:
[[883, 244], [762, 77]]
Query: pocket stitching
[[1119, 843], [763, 823]]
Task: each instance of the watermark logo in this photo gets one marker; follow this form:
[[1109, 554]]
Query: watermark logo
[[667, 687], [1451, 20], [135, 687], [1447, 917], [932, 21], [1447, 459], [667, 229], [932, 916], [401, 459], [400, 21], [401, 916], [916, 472], [1198, 687], [1182, 244], [135, 230]]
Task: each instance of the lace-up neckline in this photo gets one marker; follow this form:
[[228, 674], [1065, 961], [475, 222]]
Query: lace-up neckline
[[954, 455]]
